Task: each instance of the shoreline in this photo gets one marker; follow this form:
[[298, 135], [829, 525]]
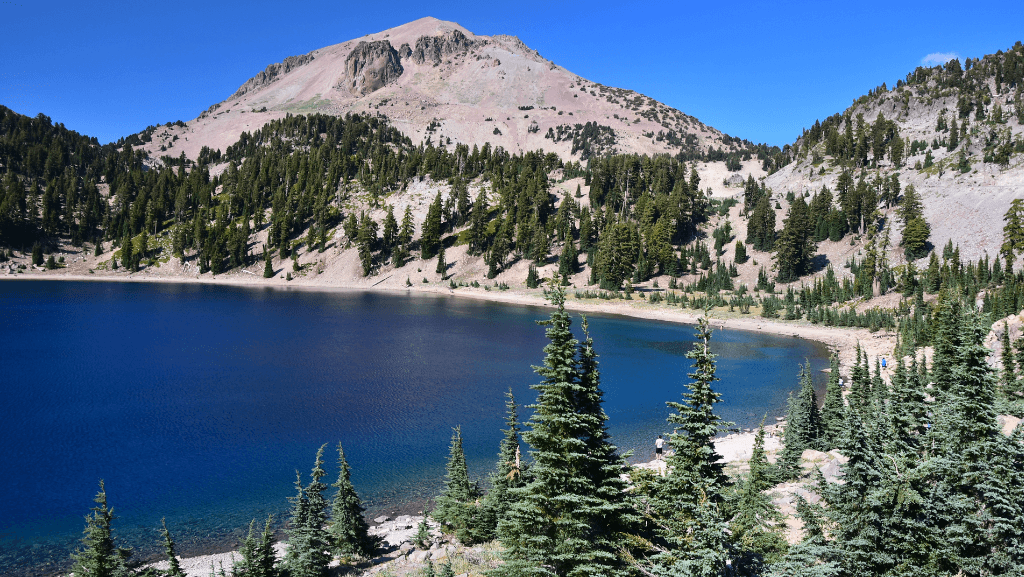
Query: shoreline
[[843, 340]]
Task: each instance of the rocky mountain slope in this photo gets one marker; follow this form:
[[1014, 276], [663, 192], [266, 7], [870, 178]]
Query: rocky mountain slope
[[436, 80], [966, 181]]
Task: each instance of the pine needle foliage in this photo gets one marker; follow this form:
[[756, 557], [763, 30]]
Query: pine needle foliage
[[510, 473], [572, 518], [308, 540], [174, 568], [944, 499], [803, 426], [833, 411], [257, 553], [688, 502], [456, 508], [757, 527], [349, 532], [99, 555]]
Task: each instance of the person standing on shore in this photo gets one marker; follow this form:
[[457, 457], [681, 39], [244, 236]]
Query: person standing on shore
[[659, 445]]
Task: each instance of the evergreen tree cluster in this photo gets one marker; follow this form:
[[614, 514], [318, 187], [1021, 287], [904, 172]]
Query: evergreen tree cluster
[[931, 486], [318, 532]]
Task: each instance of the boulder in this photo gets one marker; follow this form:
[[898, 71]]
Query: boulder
[[382, 519], [419, 556]]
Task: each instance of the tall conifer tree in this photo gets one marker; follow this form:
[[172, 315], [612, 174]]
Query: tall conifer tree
[[510, 473], [689, 498], [757, 527], [571, 518], [833, 412], [348, 530], [99, 555], [455, 507], [308, 541]]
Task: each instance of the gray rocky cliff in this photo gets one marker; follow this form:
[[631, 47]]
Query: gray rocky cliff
[[272, 73], [370, 66], [434, 49]]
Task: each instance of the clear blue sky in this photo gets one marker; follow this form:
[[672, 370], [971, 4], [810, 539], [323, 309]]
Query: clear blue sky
[[758, 70]]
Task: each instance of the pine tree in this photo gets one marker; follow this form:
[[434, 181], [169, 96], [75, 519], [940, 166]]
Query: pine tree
[[854, 515], [909, 409], [803, 426], [174, 568], [127, 254], [539, 245], [407, 229], [389, 237], [430, 237], [456, 506], [1008, 376], [477, 224], [442, 266], [349, 533], [796, 245], [741, 253], [308, 541], [568, 261], [981, 504], [268, 265], [688, 501], [367, 241], [423, 536], [813, 556], [99, 555], [510, 473], [571, 518], [257, 553], [833, 412], [462, 205], [351, 227], [757, 527], [532, 278], [860, 382], [761, 227]]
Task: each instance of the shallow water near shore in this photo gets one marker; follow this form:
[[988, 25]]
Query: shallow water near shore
[[199, 403]]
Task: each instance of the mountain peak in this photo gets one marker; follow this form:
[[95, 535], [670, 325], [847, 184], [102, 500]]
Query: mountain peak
[[435, 80]]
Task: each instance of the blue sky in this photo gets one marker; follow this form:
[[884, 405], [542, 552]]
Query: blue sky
[[758, 70]]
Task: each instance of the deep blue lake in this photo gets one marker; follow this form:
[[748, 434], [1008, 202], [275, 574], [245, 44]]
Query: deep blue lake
[[199, 403]]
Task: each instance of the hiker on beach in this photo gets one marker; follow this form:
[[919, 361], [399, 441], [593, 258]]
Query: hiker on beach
[[659, 444]]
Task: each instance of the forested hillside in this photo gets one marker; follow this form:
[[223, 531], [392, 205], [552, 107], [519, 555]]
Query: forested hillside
[[955, 132]]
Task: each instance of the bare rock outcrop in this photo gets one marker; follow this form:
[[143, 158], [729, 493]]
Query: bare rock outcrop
[[516, 46], [370, 66], [272, 73], [434, 49]]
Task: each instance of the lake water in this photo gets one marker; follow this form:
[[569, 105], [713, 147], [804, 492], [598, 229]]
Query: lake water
[[199, 403]]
